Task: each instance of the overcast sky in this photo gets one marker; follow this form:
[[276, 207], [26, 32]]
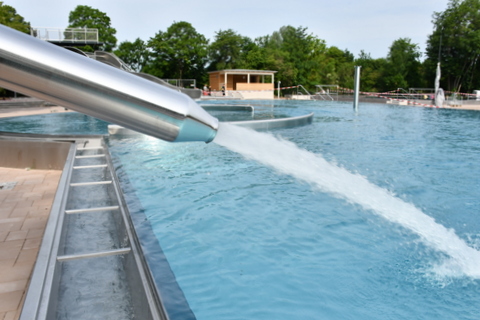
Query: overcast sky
[[369, 25]]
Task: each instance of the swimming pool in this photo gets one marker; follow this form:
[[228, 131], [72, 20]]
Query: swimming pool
[[244, 242]]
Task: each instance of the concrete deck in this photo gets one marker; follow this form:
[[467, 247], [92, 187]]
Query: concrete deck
[[7, 112], [24, 211]]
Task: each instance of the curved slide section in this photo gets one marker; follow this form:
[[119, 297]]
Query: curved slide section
[[192, 93], [114, 61]]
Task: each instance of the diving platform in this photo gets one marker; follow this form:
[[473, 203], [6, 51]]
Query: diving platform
[[67, 37]]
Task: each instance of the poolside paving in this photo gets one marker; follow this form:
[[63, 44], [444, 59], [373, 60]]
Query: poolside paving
[[24, 211], [26, 197], [7, 112]]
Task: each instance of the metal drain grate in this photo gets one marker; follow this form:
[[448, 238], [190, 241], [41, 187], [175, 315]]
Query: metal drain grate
[[7, 185]]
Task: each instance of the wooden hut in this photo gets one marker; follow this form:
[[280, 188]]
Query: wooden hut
[[250, 84]]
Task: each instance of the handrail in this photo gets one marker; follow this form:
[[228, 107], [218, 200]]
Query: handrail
[[326, 93], [80, 35], [406, 97], [300, 86]]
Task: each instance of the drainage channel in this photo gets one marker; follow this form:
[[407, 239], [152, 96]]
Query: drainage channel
[[89, 265]]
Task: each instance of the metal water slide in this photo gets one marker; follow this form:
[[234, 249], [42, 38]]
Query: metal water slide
[[114, 61], [192, 93], [39, 69]]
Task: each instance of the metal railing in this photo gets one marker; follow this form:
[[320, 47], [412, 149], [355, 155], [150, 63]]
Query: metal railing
[[80, 35], [421, 93], [325, 91], [182, 83], [304, 90], [231, 94], [402, 94]]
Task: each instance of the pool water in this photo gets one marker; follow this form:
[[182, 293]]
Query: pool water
[[68, 123], [245, 242]]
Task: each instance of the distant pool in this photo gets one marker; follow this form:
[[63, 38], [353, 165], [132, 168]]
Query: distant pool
[[246, 243], [65, 123]]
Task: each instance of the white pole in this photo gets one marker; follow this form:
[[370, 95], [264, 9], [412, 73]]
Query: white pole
[[356, 89], [278, 92]]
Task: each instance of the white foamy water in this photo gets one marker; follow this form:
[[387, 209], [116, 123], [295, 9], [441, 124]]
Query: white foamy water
[[287, 158]]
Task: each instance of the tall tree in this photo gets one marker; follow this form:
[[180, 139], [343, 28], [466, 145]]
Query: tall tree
[[180, 52], [455, 43], [297, 56], [301, 58], [297, 47], [260, 57], [10, 18], [340, 67], [403, 69], [228, 50], [88, 17], [134, 54], [371, 72]]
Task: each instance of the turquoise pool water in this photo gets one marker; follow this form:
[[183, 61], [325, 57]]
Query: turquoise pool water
[[68, 123], [244, 242]]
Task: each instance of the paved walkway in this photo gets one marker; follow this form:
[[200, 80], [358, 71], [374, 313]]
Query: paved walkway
[[24, 210], [28, 111]]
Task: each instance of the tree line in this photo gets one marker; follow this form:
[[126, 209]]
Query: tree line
[[300, 57]]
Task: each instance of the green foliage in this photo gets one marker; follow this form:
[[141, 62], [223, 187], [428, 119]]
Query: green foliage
[[403, 68], [228, 50], [88, 17], [180, 53], [455, 42], [268, 55], [134, 54], [342, 67], [302, 58], [10, 18], [300, 53], [371, 72], [298, 56]]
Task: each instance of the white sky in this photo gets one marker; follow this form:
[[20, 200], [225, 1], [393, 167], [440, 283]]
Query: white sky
[[369, 25]]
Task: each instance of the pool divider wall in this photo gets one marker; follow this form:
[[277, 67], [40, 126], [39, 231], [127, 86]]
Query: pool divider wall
[[260, 125], [275, 123], [42, 155]]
